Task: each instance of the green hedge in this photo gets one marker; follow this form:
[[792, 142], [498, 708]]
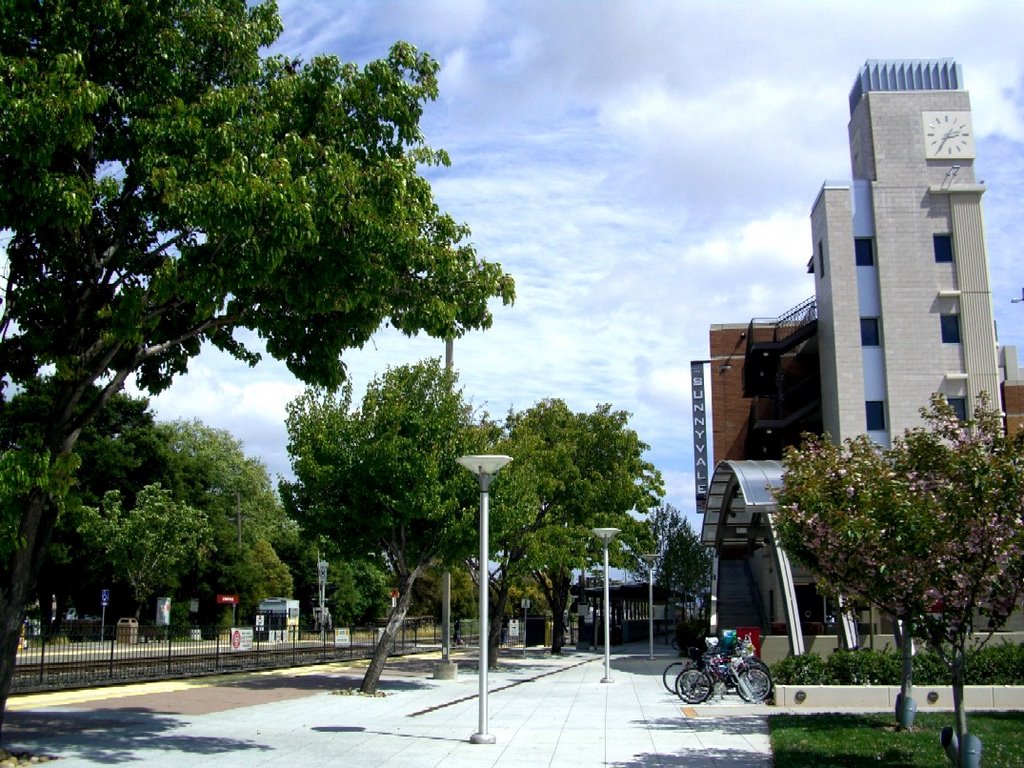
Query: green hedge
[[992, 665]]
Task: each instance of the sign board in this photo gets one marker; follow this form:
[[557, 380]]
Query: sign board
[[163, 611], [259, 621], [394, 597], [104, 597], [241, 638], [227, 599], [342, 638], [526, 602], [700, 433], [513, 628]]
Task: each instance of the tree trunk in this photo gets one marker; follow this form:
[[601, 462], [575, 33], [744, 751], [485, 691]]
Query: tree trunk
[[380, 653], [497, 612], [23, 566], [957, 668], [557, 594], [558, 601]]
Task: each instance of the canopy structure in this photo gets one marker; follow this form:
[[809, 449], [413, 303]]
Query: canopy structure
[[738, 515]]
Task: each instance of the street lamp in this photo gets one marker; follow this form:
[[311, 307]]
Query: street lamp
[[606, 535], [650, 560], [484, 467]]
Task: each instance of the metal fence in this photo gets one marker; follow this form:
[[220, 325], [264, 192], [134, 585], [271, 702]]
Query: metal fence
[[81, 657], [87, 654]]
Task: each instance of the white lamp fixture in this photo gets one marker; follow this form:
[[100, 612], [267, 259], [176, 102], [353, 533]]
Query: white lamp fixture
[[484, 467], [606, 535], [650, 560]]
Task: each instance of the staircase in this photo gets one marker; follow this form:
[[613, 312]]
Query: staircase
[[737, 604]]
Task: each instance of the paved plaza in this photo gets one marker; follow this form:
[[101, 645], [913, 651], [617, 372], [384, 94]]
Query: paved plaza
[[544, 711]]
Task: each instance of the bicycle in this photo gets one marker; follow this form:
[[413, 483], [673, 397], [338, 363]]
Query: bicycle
[[672, 671], [742, 672]]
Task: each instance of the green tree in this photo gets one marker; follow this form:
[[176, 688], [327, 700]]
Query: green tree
[[166, 185], [119, 450], [684, 564], [928, 530], [149, 546], [572, 472], [383, 479]]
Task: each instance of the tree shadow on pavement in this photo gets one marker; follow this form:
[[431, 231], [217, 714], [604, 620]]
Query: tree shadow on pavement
[[109, 736], [717, 757]]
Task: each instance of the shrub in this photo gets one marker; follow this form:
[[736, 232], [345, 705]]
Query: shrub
[[1001, 664], [805, 669], [690, 633], [862, 668]]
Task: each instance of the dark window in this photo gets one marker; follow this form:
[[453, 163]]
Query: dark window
[[874, 410], [870, 336], [943, 249], [821, 259], [864, 248], [959, 406], [950, 328]]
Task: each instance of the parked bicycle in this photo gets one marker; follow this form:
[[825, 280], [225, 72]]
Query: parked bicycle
[[715, 670]]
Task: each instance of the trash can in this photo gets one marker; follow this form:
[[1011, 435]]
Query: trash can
[[128, 631]]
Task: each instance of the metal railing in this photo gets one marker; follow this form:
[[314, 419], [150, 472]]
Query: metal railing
[[80, 659], [89, 655]]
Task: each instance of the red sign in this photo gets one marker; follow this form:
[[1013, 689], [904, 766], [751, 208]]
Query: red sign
[[227, 599]]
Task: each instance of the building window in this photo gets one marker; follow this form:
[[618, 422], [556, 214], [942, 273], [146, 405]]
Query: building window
[[864, 249], [874, 410], [950, 328], [870, 336], [821, 259], [959, 406], [943, 249]]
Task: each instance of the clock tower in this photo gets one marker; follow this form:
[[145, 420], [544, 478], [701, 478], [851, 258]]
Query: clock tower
[[905, 305]]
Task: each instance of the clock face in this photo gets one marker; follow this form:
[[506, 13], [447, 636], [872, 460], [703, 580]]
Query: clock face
[[947, 135]]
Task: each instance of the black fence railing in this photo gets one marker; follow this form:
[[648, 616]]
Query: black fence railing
[[87, 654], [83, 657]]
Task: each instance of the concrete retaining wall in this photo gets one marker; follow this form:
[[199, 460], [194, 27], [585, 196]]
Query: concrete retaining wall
[[937, 698]]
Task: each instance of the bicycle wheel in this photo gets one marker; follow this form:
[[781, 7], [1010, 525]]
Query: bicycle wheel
[[758, 685], [670, 674], [693, 686]]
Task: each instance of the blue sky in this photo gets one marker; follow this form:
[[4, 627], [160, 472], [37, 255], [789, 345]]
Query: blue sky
[[643, 170]]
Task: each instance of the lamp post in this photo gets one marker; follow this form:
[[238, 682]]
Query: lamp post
[[650, 560], [606, 535], [484, 467]]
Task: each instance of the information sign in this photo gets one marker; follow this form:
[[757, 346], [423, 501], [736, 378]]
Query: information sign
[[241, 638]]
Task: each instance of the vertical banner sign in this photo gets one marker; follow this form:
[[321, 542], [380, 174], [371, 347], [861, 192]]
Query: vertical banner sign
[[700, 432]]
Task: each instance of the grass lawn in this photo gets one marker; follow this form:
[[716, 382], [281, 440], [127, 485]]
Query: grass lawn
[[854, 741]]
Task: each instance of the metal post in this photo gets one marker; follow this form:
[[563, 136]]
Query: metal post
[[607, 647], [606, 535], [482, 736], [446, 615], [484, 467], [650, 560]]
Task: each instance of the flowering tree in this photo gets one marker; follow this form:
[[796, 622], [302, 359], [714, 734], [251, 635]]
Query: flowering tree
[[929, 530]]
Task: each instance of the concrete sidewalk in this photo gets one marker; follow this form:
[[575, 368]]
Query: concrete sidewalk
[[543, 710]]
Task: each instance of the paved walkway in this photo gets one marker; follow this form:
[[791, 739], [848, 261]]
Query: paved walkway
[[544, 711]]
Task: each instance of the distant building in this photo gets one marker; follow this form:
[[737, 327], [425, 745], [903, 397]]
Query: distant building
[[902, 309]]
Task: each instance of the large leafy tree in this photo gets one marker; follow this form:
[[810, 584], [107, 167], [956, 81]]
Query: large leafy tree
[[149, 546], [383, 479], [930, 530], [684, 564], [572, 472], [164, 185]]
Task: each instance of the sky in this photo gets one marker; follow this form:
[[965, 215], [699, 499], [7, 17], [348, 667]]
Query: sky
[[643, 170]]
